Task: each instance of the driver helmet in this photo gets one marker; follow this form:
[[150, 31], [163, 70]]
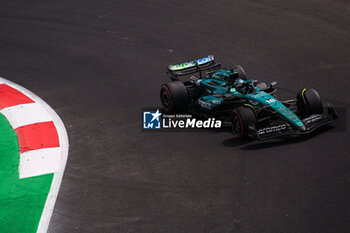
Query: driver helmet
[[238, 84]]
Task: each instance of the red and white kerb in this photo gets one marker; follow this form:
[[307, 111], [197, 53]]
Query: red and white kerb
[[38, 139]]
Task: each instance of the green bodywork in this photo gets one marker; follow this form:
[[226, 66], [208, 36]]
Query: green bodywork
[[217, 83]]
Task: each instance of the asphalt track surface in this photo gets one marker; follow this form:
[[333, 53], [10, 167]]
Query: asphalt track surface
[[98, 63]]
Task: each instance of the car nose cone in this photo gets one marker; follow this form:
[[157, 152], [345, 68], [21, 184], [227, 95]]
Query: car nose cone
[[302, 128]]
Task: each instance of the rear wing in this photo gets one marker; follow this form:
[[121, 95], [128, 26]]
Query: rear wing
[[191, 67]]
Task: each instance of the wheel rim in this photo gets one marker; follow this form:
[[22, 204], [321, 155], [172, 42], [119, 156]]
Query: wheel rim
[[236, 125], [166, 99]]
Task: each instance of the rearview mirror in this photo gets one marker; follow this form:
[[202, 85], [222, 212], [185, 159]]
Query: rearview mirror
[[273, 84]]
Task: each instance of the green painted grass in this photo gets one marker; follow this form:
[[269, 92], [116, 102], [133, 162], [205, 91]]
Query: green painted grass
[[21, 201]]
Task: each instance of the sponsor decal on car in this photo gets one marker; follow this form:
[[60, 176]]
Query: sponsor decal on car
[[312, 119], [189, 64], [204, 104], [274, 129], [215, 101]]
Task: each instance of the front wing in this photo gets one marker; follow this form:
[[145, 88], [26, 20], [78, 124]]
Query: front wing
[[285, 129]]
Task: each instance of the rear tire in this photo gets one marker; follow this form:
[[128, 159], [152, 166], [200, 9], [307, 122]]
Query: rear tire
[[241, 118], [174, 96], [309, 102]]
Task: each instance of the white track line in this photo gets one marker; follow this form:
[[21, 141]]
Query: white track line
[[64, 146]]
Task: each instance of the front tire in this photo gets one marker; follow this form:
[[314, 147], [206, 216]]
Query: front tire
[[309, 102], [241, 118], [174, 96]]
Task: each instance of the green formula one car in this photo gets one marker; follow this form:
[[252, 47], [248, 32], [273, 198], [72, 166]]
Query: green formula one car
[[248, 106]]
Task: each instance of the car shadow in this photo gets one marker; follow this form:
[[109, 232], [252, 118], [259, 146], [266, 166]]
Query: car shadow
[[259, 145], [233, 142]]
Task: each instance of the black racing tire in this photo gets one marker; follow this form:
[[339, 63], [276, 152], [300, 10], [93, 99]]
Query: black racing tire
[[241, 118], [309, 101], [241, 73], [174, 96]]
